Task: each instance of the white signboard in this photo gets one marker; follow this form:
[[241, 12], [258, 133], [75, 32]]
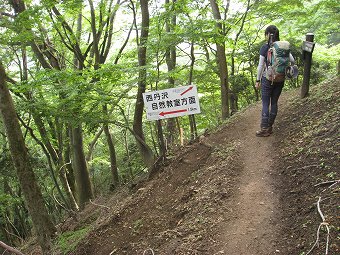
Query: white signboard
[[170, 103], [308, 46]]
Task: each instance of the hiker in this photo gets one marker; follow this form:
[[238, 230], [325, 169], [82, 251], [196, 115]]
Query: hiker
[[271, 84]]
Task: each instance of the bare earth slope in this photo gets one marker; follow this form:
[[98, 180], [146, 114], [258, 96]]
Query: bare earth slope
[[231, 192], [234, 193], [216, 197]]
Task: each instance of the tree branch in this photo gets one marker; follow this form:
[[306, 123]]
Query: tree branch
[[74, 42], [93, 143], [110, 29], [124, 44], [11, 249]]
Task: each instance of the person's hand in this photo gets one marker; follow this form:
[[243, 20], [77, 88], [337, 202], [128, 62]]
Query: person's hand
[[258, 85]]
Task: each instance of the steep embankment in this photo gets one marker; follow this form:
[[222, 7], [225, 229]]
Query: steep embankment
[[308, 166], [231, 192]]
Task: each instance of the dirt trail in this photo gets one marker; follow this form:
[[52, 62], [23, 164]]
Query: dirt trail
[[250, 229], [207, 202], [217, 197]]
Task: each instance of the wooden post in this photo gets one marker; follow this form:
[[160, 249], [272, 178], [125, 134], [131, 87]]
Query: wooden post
[[308, 47], [161, 139]]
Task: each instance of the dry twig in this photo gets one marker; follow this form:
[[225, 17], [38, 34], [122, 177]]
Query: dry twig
[[305, 167], [144, 253], [323, 223], [103, 206], [333, 182]]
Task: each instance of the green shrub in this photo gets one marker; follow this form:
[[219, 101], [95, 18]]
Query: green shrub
[[68, 241]]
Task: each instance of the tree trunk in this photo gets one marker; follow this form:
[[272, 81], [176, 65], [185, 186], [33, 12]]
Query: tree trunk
[[233, 96], [192, 119], [222, 62], [67, 187], [69, 168], [146, 152], [100, 57], [113, 160], [160, 135], [83, 186], [233, 100], [82, 176], [172, 133], [43, 225]]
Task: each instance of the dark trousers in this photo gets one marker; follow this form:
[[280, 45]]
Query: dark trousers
[[270, 96]]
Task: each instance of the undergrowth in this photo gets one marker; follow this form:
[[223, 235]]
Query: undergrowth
[[68, 241]]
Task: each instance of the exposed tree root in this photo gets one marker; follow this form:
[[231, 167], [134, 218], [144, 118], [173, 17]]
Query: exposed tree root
[[323, 223], [11, 249]]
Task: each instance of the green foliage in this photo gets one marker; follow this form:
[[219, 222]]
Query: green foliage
[[71, 97], [68, 241], [6, 201], [6, 164], [239, 83]]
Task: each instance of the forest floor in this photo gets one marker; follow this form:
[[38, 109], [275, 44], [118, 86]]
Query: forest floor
[[230, 192]]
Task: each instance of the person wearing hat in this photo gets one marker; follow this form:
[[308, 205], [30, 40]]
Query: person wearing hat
[[270, 90]]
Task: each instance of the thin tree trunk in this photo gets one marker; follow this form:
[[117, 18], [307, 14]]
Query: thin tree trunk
[[43, 225], [100, 57], [84, 191], [67, 187], [192, 119], [82, 176], [63, 168], [128, 158], [92, 145], [232, 94], [252, 82], [68, 167], [113, 160], [145, 151], [172, 133], [222, 62], [161, 142]]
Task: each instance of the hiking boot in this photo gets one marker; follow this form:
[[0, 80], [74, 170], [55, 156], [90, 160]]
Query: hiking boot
[[264, 132], [270, 130]]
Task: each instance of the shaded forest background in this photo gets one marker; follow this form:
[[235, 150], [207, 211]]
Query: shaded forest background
[[76, 71]]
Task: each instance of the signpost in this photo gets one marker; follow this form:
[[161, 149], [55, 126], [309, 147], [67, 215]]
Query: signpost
[[307, 47], [170, 103]]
